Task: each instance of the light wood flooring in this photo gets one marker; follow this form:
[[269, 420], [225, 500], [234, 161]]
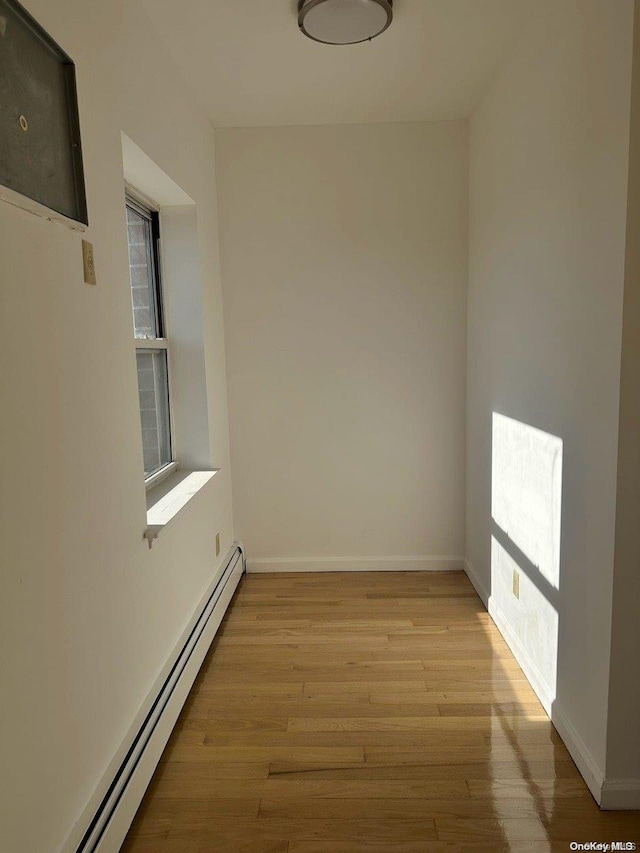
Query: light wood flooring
[[365, 713]]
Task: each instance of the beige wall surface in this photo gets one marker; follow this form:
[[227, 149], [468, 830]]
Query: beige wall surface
[[89, 613], [344, 263], [548, 181], [623, 755]]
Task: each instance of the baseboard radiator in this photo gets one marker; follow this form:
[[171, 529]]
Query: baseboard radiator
[[112, 818]]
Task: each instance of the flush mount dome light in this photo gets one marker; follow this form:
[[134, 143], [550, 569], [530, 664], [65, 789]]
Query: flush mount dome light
[[344, 21]]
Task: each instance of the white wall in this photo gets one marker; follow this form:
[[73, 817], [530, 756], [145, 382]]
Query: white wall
[[344, 265], [89, 613], [548, 178], [623, 749]]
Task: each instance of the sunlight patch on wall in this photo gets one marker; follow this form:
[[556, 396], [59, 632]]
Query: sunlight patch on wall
[[526, 491]]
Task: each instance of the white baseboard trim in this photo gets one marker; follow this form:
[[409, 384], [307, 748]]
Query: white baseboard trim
[[579, 751], [355, 564], [584, 760], [105, 820], [477, 583], [621, 794]]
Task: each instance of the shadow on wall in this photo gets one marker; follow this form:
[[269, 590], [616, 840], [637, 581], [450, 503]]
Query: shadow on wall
[[526, 504]]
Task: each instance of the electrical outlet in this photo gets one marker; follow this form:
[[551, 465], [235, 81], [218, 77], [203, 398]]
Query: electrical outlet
[[516, 583], [217, 544], [88, 264]]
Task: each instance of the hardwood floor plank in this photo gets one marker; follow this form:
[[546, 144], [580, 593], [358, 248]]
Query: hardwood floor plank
[[340, 810], [406, 740], [449, 754], [490, 830], [603, 827], [479, 770], [456, 694], [215, 769], [434, 724], [318, 688], [333, 705], [216, 722], [262, 830], [530, 710], [260, 754], [167, 845], [517, 788], [218, 690], [197, 811], [302, 807], [176, 785], [348, 846], [207, 845], [362, 641]]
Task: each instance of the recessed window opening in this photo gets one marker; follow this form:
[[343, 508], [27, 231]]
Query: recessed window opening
[[152, 345]]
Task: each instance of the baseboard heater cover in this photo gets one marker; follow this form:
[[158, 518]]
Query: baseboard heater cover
[[99, 825]]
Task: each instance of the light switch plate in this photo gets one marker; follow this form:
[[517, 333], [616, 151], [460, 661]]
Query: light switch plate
[[88, 263]]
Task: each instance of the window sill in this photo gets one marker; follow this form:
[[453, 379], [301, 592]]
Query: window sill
[[166, 500]]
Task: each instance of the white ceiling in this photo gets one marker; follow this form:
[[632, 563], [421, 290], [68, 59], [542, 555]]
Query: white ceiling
[[250, 65]]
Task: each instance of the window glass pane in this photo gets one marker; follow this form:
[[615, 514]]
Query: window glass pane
[[141, 266], [153, 387]]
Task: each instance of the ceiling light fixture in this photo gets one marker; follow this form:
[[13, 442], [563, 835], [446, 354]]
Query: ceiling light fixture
[[344, 21]]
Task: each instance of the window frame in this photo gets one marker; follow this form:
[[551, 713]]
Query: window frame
[[148, 210]]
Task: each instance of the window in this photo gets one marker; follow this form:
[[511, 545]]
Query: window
[[152, 347]]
